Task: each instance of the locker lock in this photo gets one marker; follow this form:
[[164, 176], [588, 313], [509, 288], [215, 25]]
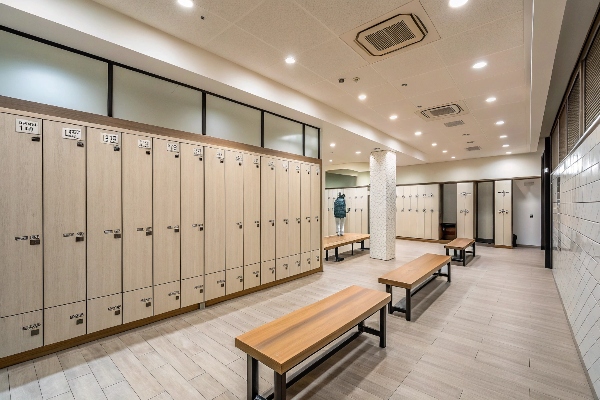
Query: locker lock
[[272, 221], [175, 293], [80, 143], [424, 210], [149, 231], [79, 237], [286, 221], [256, 273], [272, 269], [298, 220], [222, 282], [34, 240], [117, 234], [308, 219], [148, 152], [308, 261], [239, 224], [285, 266], [241, 278], [116, 148], [200, 287], [317, 217], [257, 224], [199, 226], [297, 263]]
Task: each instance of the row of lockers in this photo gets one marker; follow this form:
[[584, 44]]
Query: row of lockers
[[97, 220], [418, 211], [357, 205]]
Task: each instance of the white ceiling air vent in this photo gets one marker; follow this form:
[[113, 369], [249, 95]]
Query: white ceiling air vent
[[444, 111], [454, 123], [392, 34], [473, 148]]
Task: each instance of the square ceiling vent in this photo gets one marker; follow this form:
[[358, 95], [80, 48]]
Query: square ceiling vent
[[454, 109]]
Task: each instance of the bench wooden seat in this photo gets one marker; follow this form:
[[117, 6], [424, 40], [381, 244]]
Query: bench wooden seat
[[460, 245], [411, 277], [285, 342], [333, 242]]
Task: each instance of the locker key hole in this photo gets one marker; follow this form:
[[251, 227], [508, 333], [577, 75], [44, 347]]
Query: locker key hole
[[35, 332], [79, 321], [222, 285], [148, 304], [35, 139], [148, 152], [176, 297], [118, 312]]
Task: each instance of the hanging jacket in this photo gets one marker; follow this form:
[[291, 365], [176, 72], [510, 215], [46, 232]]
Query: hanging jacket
[[339, 207]]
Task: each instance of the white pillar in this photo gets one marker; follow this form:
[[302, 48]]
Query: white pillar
[[383, 205]]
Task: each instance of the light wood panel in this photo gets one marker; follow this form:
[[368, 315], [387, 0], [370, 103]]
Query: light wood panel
[[138, 304], [465, 192], [413, 211], [282, 268], [305, 211], [267, 207], [503, 192], [295, 265], [434, 208], [411, 274], [421, 210], [315, 259], [104, 225], [331, 242], [251, 276], [295, 213], [331, 218], [192, 291], [64, 322], [234, 209], [21, 332], [234, 280], [459, 243], [349, 223], [282, 211], [104, 312], [401, 212], [306, 262], [315, 207], [21, 286], [137, 212], [192, 211], [364, 204], [215, 285], [252, 210], [64, 214], [214, 229], [167, 297], [267, 272]]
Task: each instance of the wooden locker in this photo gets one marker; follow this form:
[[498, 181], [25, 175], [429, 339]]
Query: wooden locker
[[295, 265], [138, 304], [350, 220], [21, 286], [464, 215], [508, 231], [434, 206], [305, 262], [428, 212], [214, 214], [192, 211], [325, 223], [64, 215], [282, 267], [282, 209], [192, 291], [64, 322], [331, 218], [267, 272], [137, 212], [411, 221], [234, 209], [364, 204], [399, 210], [252, 210], [215, 285], [104, 226], [167, 297], [315, 262], [315, 207], [305, 214], [166, 194], [421, 208], [503, 215], [21, 332], [234, 280], [267, 207], [251, 276], [295, 172], [104, 312]]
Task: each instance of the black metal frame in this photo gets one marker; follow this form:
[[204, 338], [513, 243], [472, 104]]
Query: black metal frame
[[280, 381], [408, 307], [463, 254], [338, 258]]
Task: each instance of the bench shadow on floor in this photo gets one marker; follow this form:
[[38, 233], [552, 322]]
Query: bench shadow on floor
[[422, 300]]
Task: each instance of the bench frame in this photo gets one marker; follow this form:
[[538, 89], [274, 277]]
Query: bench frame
[[463, 254], [338, 258], [280, 381]]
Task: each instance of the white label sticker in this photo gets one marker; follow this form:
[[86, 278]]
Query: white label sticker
[[144, 144], [25, 126], [197, 151], [71, 133], [174, 147], [110, 138]]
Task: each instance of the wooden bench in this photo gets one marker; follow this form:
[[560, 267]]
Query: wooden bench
[[287, 341], [411, 275], [460, 244], [333, 242]]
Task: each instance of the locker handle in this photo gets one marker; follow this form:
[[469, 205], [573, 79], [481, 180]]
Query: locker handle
[[79, 237], [272, 221], [241, 278], [239, 224], [17, 238], [285, 220], [298, 220], [108, 231], [35, 139], [68, 234], [149, 231]]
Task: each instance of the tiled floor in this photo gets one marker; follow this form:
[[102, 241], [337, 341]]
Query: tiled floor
[[497, 332]]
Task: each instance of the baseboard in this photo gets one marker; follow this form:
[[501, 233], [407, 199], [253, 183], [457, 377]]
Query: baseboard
[[500, 246], [422, 240]]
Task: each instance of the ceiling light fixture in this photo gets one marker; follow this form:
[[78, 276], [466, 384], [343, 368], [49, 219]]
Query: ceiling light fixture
[[445, 151], [503, 137], [479, 65], [332, 145], [434, 144], [330, 160], [186, 3], [393, 117], [453, 157], [418, 133], [362, 96], [358, 152], [505, 145], [290, 60], [490, 99], [500, 123], [509, 152], [457, 3]]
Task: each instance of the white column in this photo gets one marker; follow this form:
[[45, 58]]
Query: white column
[[383, 205]]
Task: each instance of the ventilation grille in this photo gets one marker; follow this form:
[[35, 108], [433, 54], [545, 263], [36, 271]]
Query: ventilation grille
[[573, 116], [473, 148], [592, 83], [444, 111], [454, 123], [391, 35]]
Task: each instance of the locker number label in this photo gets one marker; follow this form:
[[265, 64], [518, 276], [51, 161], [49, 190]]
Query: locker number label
[[71, 133], [144, 144], [110, 138], [197, 151], [173, 147], [26, 126]]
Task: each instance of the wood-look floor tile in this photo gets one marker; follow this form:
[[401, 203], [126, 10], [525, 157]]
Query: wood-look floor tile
[[73, 363], [51, 377], [104, 369], [208, 386], [23, 383], [178, 387], [120, 391], [86, 388]]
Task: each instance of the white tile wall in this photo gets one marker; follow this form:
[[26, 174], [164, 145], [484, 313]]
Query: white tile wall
[[576, 247], [383, 205]]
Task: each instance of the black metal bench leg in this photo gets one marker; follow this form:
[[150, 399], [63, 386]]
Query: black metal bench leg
[[464, 257], [252, 378], [449, 272], [362, 245], [447, 252], [388, 289], [280, 386], [382, 326], [408, 304], [352, 248], [473, 249], [326, 255]]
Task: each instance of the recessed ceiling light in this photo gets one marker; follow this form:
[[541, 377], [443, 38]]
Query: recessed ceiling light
[[453, 157], [445, 151], [358, 152], [457, 3], [479, 65], [509, 152], [290, 60], [500, 123], [434, 144], [490, 99], [418, 133], [330, 160], [505, 145], [503, 137], [362, 96], [332, 145], [393, 117], [186, 3]]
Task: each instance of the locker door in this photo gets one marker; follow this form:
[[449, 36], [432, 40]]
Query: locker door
[[282, 268], [428, 211], [234, 279], [138, 304], [305, 214], [399, 210], [331, 219], [508, 214], [64, 322], [252, 210], [282, 211], [315, 262], [234, 209], [411, 229], [192, 291], [21, 332], [503, 215], [64, 214], [215, 285], [349, 223], [295, 265], [364, 203], [214, 214], [421, 208], [295, 172], [21, 216], [267, 272], [305, 262], [105, 312], [267, 207], [315, 207], [166, 174], [104, 226], [137, 212], [251, 276], [325, 223], [434, 203], [192, 211], [464, 225], [167, 297]]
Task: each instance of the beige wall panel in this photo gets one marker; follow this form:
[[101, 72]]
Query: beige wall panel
[[166, 194], [267, 272], [282, 268], [251, 275], [105, 312], [64, 215], [306, 262], [282, 211], [305, 214], [295, 265], [315, 261], [295, 214], [326, 212], [234, 209], [64, 322], [267, 198], [138, 304], [508, 200], [167, 297], [104, 226], [192, 211], [21, 332], [20, 216], [234, 280], [137, 212], [315, 206], [215, 285], [214, 215], [252, 210], [192, 291]]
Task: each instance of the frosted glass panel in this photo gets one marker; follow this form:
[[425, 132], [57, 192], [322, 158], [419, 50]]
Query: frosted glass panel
[[282, 134], [142, 98], [228, 120], [34, 71], [311, 142]]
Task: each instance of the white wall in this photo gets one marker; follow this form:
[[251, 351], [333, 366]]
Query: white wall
[[527, 201]]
